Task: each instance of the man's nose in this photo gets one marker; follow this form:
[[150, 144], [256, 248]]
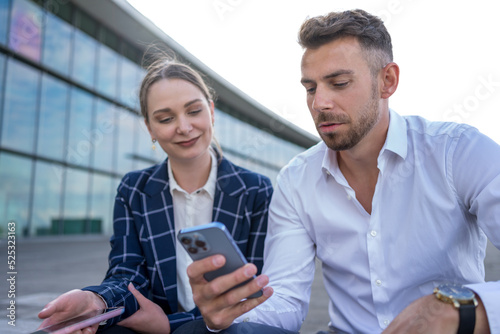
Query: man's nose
[[322, 100]]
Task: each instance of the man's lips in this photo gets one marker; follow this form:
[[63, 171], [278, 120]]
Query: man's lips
[[327, 127]]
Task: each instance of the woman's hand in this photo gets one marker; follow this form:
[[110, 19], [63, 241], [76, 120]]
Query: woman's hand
[[150, 317], [69, 305]]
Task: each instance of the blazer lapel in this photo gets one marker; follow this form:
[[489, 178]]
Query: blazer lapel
[[162, 231], [230, 187]]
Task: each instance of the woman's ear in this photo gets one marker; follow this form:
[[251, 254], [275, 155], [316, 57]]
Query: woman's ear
[[390, 79]]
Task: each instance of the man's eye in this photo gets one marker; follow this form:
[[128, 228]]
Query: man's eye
[[311, 90], [194, 112], [341, 84]]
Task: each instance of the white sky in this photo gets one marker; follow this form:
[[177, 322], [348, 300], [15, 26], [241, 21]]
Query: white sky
[[448, 51]]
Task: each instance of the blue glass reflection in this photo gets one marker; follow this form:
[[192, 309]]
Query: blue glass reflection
[[104, 132], [57, 44], [126, 141], [4, 19], [46, 198], [147, 156], [83, 68], [107, 74], [2, 70], [101, 205], [19, 116], [25, 34], [15, 181], [80, 138], [75, 218], [53, 105], [130, 78]]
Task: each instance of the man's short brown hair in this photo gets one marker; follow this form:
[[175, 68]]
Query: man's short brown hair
[[368, 29]]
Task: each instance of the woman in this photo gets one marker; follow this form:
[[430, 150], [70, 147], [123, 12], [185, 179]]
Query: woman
[[195, 185]]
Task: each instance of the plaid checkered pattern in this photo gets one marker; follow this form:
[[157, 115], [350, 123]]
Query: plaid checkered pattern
[[143, 243]]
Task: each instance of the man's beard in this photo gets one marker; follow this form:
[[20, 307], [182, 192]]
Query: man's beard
[[368, 117]]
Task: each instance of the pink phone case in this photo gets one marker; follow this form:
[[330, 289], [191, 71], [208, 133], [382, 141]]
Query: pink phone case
[[82, 321]]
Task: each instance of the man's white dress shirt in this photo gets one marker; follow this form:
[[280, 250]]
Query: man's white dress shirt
[[436, 202]]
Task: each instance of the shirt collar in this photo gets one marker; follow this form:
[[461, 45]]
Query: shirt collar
[[209, 186], [396, 142]]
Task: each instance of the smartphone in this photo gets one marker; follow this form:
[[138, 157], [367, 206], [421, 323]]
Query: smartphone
[[210, 239], [82, 321]]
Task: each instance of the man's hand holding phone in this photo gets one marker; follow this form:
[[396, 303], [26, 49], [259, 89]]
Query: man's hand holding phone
[[223, 282], [217, 301]]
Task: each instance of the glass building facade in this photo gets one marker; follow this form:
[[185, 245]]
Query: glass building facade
[[70, 126]]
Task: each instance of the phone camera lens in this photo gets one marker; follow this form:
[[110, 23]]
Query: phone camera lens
[[186, 241], [193, 250], [200, 243]]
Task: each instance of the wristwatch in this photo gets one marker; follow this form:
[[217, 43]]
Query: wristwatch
[[464, 300]]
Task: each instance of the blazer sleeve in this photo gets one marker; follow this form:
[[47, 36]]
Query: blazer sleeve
[[258, 223], [126, 260]]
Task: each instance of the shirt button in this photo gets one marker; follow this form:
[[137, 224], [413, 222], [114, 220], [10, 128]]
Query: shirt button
[[349, 197], [246, 320], [386, 322], [378, 282], [373, 233]]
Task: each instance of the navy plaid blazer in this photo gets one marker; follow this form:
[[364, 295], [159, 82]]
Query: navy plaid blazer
[[143, 243]]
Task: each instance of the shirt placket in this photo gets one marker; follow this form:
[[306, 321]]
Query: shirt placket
[[376, 259]]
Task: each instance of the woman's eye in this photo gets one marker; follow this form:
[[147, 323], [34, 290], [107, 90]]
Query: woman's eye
[[165, 120], [194, 112]]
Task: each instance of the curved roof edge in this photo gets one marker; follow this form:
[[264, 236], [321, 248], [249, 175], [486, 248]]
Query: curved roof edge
[[121, 17]]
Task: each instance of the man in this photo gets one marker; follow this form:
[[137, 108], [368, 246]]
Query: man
[[393, 206]]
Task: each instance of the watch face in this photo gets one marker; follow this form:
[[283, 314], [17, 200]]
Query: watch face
[[455, 291]]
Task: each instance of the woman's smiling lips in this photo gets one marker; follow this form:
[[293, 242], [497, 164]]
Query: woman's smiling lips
[[188, 143]]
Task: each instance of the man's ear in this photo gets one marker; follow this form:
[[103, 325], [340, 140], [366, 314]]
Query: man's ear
[[389, 77]]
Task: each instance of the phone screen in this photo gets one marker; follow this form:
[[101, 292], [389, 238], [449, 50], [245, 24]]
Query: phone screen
[[81, 321]]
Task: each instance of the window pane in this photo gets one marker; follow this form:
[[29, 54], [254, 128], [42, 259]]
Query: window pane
[[25, 29], [75, 218], [15, 181], [46, 198], [145, 154], [102, 201], [126, 130], [57, 44], [107, 74], [52, 122], [129, 83], [104, 132], [4, 19], [80, 140], [19, 117], [84, 59], [2, 72]]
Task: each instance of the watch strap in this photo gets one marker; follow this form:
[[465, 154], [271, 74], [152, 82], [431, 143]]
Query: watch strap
[[467, 313]]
